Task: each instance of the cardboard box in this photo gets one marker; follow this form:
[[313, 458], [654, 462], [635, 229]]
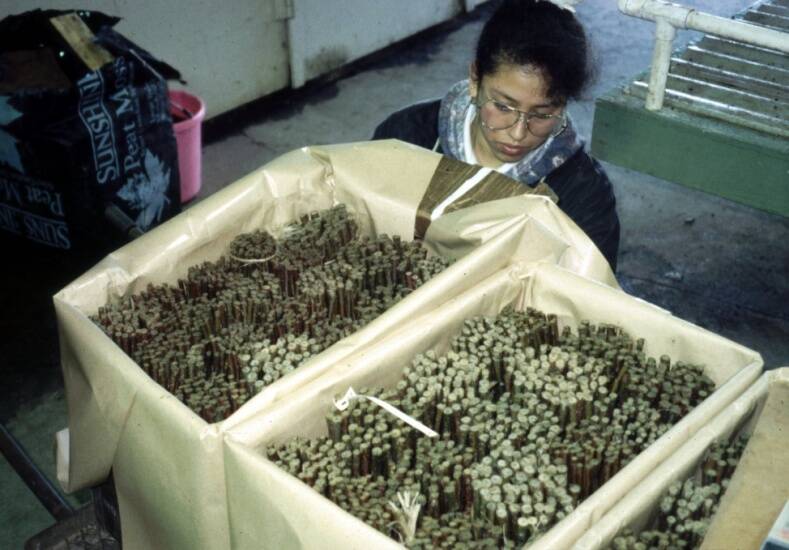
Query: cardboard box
[[168, 464], [757, 490], [270, 508]]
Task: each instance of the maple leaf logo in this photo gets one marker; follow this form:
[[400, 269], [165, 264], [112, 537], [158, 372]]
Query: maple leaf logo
[[9, 154], [147, 192]]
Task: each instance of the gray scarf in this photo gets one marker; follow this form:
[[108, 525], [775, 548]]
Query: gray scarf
[[530, 170]]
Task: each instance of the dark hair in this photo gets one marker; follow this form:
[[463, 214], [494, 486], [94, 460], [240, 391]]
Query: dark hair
[[538, 34]]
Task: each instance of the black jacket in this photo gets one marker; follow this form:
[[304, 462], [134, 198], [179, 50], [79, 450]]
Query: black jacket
[[585, 194]]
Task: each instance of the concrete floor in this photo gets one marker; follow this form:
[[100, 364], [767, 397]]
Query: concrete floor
[[712, 262]]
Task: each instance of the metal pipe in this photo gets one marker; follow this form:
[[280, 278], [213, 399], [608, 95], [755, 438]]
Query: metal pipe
[[36, 481], [739, 30], [689, 18], [661, 60], [122, 222], [668, 17]]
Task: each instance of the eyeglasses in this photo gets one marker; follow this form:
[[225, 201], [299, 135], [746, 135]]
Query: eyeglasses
[[495, 115]]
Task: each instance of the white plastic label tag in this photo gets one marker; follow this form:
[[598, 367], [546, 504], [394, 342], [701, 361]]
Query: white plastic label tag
[[344, 402]]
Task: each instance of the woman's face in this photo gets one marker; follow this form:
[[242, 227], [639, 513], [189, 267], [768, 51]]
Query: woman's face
[[516, 87]]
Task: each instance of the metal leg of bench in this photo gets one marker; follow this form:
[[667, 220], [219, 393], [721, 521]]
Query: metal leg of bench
[[42, 487]]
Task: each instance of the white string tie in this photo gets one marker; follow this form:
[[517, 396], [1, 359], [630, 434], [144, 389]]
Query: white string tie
[[345, 401]]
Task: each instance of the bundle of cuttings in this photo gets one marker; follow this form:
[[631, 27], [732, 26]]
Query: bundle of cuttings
[[687, 507], [531, 420], [235, 325]]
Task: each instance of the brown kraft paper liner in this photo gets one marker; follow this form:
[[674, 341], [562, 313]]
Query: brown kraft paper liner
[[451, 174]]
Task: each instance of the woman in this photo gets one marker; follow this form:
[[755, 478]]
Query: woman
[[511, 115]]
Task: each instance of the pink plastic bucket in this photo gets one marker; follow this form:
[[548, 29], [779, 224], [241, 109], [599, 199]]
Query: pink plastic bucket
[[188, 111]]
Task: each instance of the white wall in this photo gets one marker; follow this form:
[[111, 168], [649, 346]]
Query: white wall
[[324, 35], [228, 52], [235, 51]]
